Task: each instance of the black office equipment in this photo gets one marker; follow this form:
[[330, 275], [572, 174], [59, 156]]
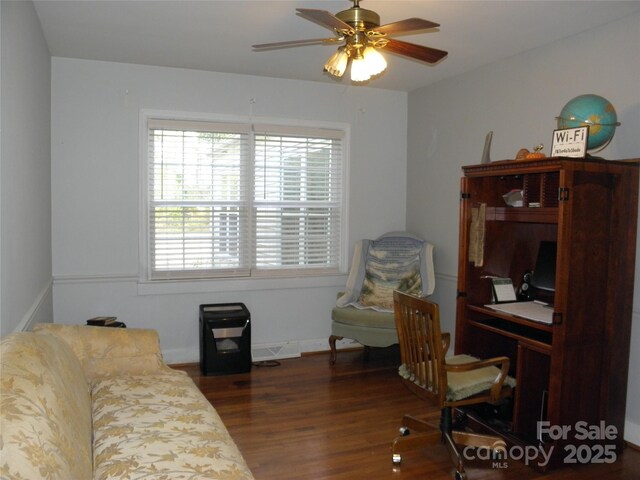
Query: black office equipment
[[225, 338], [524, 293], [544, 273]]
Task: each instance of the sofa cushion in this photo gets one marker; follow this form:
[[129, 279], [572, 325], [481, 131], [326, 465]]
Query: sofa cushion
[[160, 426], [110, 351], [45, 425]]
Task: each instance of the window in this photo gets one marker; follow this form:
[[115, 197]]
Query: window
[[239, 200]]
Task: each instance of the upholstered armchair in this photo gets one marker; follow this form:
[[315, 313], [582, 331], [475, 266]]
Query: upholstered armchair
[[364, 311]]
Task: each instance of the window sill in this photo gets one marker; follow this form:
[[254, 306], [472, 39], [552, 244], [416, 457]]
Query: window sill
[[168, 287]]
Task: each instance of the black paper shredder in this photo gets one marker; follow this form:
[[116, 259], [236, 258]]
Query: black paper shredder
[[225, 338]]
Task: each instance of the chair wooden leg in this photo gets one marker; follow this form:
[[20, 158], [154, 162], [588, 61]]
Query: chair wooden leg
[[420, 433], [417, 424], [411, 442], [334, 351], [430, 433], [497, 444]]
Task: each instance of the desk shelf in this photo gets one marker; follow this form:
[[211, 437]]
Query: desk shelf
[[517, 328], [522, 214]]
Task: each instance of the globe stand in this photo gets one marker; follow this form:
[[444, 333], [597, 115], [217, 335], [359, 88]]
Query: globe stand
[[599, 149]]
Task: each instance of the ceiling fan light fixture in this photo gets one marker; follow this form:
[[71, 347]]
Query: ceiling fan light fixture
[[363, 36], [374, 60], [337, 64], [359, 70]]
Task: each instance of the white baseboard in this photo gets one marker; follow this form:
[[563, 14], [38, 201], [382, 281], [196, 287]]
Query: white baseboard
[[267, 351], [275, 351], [322, 345], [632, 432], [294, 349]]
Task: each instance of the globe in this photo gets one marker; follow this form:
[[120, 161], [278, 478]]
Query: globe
[[591, 111]]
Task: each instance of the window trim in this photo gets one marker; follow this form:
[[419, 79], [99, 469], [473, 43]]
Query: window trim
[[145, 276]]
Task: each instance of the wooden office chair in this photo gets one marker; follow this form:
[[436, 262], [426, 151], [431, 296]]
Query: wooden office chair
[[451, 382]]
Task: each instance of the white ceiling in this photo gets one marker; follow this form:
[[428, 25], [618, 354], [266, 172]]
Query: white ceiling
[[217, 35]]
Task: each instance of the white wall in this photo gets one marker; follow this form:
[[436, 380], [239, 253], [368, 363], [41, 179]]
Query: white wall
[[95, 193], [517, 99], [25, 171]]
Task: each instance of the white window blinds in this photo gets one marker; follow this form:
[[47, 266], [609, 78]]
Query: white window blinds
[[231, 200], [297, 200]]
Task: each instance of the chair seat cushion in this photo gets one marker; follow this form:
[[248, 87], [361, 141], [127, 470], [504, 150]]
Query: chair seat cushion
[[363, 318], [462, 385]]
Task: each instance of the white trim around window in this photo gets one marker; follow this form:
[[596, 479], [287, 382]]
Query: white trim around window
[[229, 197]]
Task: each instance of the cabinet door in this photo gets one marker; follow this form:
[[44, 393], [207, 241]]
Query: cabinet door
[[532, 391], [584, 239]]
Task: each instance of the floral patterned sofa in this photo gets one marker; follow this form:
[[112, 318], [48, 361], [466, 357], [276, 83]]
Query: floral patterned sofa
[[81, 403]]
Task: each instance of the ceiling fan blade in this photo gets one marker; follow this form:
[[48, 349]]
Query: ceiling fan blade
[[405, 26], [426, 54], [297, 43], [325, 19]]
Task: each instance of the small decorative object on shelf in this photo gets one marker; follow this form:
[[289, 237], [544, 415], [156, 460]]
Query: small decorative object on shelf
[[513, 198], [486, 153], [522, 154], [536, 154], [105, 322]]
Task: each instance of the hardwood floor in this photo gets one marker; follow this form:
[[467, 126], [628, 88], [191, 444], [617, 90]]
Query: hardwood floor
[[305, 419]]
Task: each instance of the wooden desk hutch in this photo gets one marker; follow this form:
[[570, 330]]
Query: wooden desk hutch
[[574, 370]]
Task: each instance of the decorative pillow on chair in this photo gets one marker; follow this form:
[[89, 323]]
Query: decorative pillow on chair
[[394, 261]]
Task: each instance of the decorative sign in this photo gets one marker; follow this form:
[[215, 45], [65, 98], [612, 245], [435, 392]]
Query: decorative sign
[[570, 142]]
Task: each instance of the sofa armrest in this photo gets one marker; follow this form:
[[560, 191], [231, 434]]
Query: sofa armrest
[[111, 351]]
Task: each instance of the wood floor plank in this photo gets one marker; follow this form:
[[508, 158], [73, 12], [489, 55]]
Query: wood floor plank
[[305, 419]]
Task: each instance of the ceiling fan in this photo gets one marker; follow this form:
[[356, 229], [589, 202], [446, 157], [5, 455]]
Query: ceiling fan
[[363, 36]]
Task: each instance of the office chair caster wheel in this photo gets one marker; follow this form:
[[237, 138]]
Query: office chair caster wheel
[[404, 431], [460, 475], [397, 459]]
